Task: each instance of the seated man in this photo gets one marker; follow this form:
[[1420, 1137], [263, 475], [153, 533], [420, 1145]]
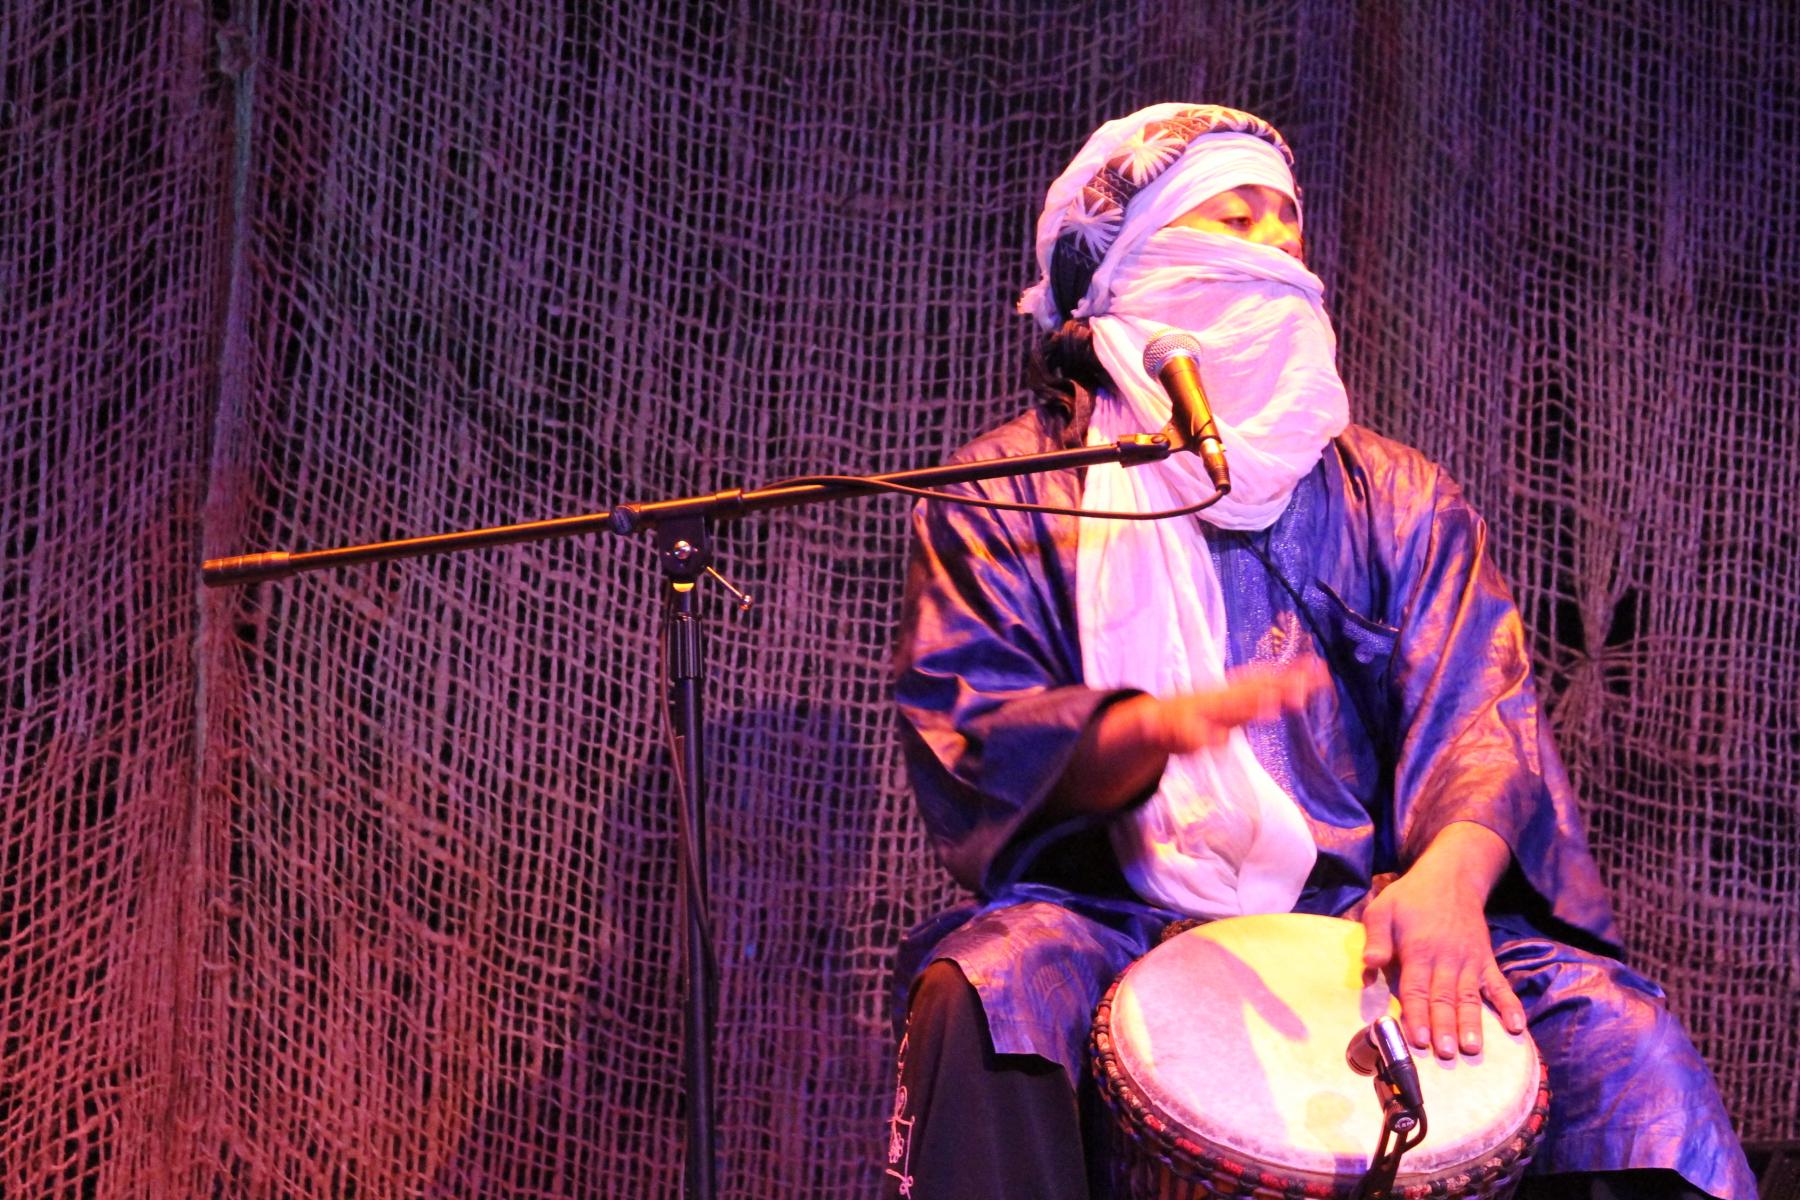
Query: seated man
[[1318, 684]]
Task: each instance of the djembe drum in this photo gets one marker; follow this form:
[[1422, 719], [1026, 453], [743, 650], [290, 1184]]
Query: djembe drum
[[1221, 1054]]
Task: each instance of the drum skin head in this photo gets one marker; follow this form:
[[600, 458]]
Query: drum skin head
[[1235, 1031]]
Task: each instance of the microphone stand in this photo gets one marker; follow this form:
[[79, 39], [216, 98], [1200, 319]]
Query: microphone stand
[[683, 531]]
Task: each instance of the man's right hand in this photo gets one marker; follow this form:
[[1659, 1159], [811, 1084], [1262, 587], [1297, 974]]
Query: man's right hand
[[1197, 720], [1123, 753]]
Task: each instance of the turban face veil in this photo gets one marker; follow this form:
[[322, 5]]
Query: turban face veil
[[1219, 837]]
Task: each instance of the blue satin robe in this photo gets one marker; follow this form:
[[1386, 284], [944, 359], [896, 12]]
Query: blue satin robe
[[1378, 566]]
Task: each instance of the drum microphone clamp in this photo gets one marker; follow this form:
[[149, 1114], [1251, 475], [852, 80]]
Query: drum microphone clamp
[[1379, 1049]]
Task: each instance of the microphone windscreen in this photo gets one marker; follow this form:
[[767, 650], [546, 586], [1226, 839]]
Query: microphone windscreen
[[1164, 346]]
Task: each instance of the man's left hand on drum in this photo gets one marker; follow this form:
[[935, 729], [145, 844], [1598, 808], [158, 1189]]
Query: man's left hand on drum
[[1429, 927]]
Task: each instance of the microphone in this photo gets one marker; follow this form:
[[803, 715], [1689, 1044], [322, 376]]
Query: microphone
[[1380, 1049], [1173, 359]]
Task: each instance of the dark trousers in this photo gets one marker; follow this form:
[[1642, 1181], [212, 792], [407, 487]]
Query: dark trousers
[[970, 1124]]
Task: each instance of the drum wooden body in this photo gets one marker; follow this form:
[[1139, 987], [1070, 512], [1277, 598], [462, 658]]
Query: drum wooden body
[[1221, 1056]]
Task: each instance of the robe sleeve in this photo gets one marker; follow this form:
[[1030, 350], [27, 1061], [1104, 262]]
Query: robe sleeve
[[1473, 741], [987, 677]]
